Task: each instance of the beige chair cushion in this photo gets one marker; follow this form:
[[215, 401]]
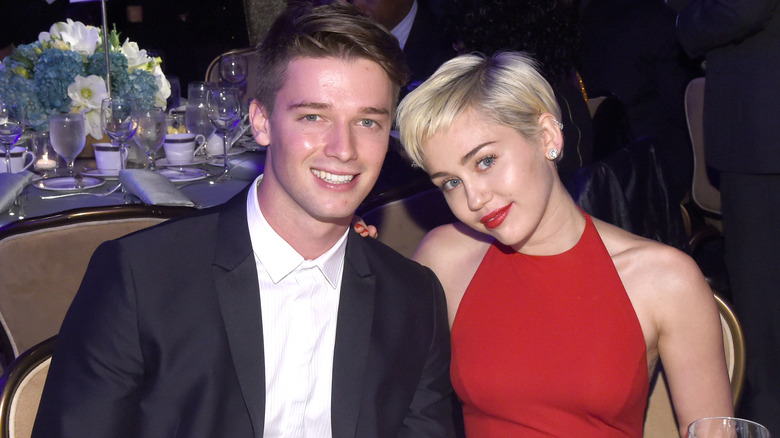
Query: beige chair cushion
[[24, 404], [41, 271]]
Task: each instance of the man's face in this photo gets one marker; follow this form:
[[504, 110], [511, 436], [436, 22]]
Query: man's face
[[327, 137]]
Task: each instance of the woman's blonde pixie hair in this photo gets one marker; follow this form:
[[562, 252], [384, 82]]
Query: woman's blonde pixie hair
[[506, 88]]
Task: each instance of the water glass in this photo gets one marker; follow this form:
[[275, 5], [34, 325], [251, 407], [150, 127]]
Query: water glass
[[12, 119], [726, 427], [150, 133], [68, 136], [117, 118], [196, 116], [224, 110]]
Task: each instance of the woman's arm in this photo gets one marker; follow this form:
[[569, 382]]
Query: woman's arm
[[690, 341]]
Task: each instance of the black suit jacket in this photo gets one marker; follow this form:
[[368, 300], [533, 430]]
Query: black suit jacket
[[165, 339], [741, 42]]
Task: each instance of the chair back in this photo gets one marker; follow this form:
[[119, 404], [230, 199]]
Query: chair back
[[660, 421], [703, 192], [42, 261], [250, 53], [21, 387], [403, 221]]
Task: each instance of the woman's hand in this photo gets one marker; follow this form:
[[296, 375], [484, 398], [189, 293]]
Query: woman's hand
[[363, 229]]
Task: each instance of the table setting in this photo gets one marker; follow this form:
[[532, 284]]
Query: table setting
[[72, 117]]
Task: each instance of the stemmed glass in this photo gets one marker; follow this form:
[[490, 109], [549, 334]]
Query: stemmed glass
[[224, 109], [233, 69], [68, 135], [117, 118], [150, 134], [12, 116], [196, 116], [726, 427]]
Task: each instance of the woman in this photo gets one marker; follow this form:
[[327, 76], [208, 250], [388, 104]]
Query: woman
[[556, 317]]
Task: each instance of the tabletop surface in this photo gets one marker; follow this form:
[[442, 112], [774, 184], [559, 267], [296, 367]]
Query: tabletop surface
[[35, 202]]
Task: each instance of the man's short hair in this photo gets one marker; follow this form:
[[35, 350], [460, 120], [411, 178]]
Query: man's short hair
[[337, 30], [505, 88]]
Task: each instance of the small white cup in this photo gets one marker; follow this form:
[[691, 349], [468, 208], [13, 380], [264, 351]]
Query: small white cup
[[19, 159], [180, 148], [107, 158], [214, 146]]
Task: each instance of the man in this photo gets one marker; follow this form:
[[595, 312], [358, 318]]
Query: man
[[741, 43], [268, 317]]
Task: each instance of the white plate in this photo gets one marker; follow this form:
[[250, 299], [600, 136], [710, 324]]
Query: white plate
[[105, 174], [183, 175], [67, 183], [197, 159]]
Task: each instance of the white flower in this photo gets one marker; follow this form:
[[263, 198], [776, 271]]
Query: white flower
[[80, 37], [92, 124], [86, 95], [163, 87], [136, 58]]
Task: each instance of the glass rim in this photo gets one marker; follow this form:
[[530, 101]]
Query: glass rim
[[727, 418]]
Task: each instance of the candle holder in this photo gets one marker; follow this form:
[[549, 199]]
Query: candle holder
[[45, 157]]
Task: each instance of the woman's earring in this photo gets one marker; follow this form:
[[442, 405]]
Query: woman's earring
[[552, 154]]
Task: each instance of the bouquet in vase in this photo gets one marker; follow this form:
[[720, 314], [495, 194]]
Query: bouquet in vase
[[64, 71]]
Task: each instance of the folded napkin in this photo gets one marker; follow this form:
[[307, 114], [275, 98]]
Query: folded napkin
[[11, 184], [152, 188]]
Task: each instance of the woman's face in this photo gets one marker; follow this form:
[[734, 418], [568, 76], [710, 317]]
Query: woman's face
[[494, 179]]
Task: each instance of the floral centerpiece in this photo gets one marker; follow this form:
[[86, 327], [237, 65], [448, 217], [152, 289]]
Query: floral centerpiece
[[64, 71]]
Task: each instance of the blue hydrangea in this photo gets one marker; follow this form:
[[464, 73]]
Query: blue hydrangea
[[54, 72], [141, 86], [96, 65]]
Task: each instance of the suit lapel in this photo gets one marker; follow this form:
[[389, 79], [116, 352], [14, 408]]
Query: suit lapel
[[235, 276], [353, 338]]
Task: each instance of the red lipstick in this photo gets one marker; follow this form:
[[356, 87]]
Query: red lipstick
[[495, 217]]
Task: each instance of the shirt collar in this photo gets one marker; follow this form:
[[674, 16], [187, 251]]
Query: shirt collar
[[278, 257], [402, 29]]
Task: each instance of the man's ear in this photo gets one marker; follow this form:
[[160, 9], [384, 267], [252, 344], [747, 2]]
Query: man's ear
[[259, 118]]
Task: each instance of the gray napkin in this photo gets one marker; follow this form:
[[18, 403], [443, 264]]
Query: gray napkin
[[152, 188], [11, 184]]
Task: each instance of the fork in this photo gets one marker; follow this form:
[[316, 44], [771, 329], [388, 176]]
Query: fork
[[65, 195]]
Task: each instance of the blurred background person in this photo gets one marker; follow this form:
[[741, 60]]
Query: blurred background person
[[740, 40]]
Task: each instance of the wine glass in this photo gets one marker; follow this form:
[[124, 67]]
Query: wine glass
[[224, 110], [117, 118], [233, 69], [68, 134], [150, 134], [12, 116], [196, 116], [726, 427]]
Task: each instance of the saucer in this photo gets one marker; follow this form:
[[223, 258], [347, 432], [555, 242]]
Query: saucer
[[66, 183], [108, 174], [197, 159], [183, 175]]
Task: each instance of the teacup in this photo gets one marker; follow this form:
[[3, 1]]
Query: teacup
[[214, 146], [108, 158], [19, 160], [180, 148]]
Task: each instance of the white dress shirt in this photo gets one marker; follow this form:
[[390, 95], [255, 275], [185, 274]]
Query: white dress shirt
[[299, 302], [402, 29]]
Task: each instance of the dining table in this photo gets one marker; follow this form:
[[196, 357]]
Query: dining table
[[206, 191]]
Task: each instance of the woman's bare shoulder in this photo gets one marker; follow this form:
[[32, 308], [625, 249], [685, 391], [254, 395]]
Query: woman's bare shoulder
[[453, 252]]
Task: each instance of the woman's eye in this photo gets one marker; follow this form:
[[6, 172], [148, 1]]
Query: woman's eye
[[486, 162], [450, 184]]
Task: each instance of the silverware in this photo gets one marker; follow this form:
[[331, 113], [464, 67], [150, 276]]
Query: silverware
[[65, 195]]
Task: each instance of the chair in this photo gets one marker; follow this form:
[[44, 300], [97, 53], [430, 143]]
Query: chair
[[660, 421], [703, 192], [22, 384], [212, 72], [405, 216], [611, 126], [42, 261]]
